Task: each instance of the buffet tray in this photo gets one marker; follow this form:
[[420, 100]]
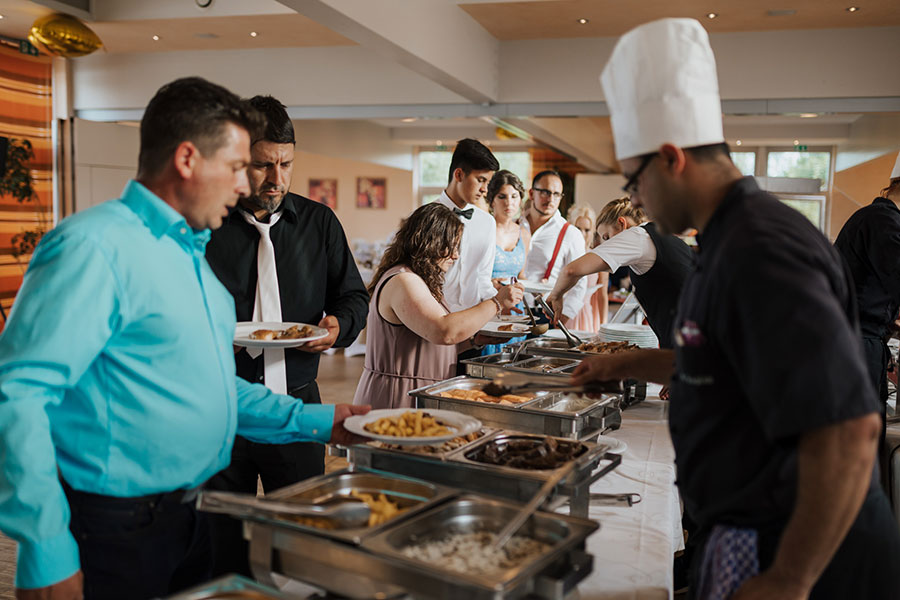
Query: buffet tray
[[488, 366], [412, 494], [230, 587], [457, 469], [379, 569], [546, 414]]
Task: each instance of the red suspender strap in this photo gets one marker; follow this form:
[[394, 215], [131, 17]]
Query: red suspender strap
[[559, 240]]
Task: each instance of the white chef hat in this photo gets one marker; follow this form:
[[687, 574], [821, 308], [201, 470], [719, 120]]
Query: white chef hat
[[661, 87], [896, 172]]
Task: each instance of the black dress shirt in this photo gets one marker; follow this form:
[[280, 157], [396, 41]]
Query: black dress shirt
[[316, 275], [870, 243], [767, 349]]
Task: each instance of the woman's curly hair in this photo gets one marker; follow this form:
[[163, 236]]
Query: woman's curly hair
[[431, 233]]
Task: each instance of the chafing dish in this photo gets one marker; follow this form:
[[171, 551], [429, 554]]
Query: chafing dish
[[490, 365], [230, 587], [534, 416], [379, 569], [550, 365], [412, 495], [463, 469]]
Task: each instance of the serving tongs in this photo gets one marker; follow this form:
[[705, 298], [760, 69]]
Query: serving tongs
[[345, 511], [572, 339], [514, 382]]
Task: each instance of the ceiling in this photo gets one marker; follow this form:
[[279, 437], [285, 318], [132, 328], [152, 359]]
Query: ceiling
[[544, 19]]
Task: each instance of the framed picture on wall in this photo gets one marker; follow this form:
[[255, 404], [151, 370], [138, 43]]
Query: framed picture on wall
[[324, 191], [371, 192]]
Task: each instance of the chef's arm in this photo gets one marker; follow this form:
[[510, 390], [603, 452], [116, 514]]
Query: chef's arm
[[834, 471], [648, 364]]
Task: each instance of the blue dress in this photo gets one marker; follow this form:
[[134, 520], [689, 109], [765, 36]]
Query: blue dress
[[507, 264]]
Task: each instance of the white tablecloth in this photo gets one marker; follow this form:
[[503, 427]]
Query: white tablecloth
[[634, 546]]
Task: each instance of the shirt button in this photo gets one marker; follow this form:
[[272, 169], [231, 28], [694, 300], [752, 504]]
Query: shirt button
[[183, 230], [315, 432]]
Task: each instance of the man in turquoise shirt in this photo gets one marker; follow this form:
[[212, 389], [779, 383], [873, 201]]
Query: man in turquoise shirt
[[118, 392]]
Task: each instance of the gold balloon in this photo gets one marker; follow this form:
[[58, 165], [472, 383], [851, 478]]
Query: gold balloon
[[63, 35]]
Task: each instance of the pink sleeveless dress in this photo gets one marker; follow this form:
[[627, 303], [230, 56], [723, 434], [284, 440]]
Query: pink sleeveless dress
[[397, 359]]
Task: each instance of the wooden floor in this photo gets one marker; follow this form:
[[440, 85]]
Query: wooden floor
[[337, 380]]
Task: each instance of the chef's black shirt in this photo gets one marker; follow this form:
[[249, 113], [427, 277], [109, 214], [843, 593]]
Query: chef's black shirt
[[767, 349], [316, 275], [870, 243]]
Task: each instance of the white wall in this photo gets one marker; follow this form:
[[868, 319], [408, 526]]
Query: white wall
[[871, 136], [598, 190], [105, 159], [354, 140]]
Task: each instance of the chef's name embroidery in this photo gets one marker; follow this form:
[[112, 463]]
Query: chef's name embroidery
[[689, 335], [696, 379]]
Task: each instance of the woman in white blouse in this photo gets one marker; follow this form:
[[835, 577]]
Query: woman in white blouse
[[659, 264]]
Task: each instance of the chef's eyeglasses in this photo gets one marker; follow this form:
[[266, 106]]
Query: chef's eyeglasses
[[631, 185], [549, 194]]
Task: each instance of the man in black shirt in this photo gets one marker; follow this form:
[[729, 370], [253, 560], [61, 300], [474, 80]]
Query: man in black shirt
[[772, 416], [314, 275]]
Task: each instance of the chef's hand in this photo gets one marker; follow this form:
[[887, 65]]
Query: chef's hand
[[556, 304], [67, 589], [334, 329], [339, 435], [664, 392], [768, 585], [510, 295], [606, 367]]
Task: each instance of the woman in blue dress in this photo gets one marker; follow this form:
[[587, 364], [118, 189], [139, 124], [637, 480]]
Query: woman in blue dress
[[504, 199]]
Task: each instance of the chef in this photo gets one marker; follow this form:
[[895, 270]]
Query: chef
[[870, 243], [773, 417]]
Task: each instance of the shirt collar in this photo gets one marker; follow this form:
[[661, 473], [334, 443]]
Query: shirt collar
[[884, 201], [446, 201], [746, 186], [161, 219]]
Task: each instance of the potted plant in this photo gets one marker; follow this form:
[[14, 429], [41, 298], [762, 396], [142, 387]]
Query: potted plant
[[18, 183]]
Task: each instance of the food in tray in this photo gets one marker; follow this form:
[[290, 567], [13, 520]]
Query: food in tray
[[293, 332], [382, 509], [528, 453], [479, 396], [505, 328], [413, 423], [606, 347], [449, 445], [475, 552]]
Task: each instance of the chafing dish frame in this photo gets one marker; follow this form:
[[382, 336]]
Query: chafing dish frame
[[376, 569], [523, 417]]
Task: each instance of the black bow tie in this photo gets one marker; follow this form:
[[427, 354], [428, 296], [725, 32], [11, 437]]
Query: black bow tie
[[464, 213]]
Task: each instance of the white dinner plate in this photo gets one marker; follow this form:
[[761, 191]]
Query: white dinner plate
[[557, 334], [492, 328], [503, 319], [536, 287], [616, 446], [243, 330], [458, 423]]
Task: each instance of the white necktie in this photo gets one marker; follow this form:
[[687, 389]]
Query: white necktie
[[267, 306]]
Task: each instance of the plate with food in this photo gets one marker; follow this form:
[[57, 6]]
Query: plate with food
[[505, 330], [537, 287], [407, 427], [256, 334], [513, 318]]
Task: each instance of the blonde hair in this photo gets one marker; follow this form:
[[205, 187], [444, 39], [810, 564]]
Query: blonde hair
[[621, 207], [582, 210]]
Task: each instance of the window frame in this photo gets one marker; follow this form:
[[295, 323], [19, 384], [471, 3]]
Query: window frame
[[420, 191]]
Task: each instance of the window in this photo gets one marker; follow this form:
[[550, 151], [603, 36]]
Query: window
[[745, 162], [811, 207], [434, 167], [791, 163]]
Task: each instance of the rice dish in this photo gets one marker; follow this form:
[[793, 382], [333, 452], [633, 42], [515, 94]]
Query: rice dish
[[474, 553]]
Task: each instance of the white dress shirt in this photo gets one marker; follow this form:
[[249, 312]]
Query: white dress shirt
[[632, 248], [543, 241], [468, 281]]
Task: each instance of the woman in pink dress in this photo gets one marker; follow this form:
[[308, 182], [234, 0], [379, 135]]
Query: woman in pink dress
[[596, 303], [412, 336]]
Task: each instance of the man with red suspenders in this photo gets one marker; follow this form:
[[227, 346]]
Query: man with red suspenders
[[554, 243]]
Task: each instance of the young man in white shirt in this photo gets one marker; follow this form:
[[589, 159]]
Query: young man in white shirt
[[554, 243], [468, 282]]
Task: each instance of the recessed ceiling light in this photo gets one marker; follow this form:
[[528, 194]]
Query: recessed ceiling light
[[253, 34], [155, 38], [438, 143], [852, 8], [712, 15], [409, 120], [1, 16], [584, 21], [808, 115], [796, 142], [738, 143]]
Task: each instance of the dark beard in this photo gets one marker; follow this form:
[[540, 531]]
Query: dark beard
[[270, 206]]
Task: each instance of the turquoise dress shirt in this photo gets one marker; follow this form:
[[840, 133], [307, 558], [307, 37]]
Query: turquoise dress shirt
[[117, 373]]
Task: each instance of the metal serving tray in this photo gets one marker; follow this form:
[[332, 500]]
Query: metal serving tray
[[412, 494], [550, 365], [230, 587], [528, 417], [459, 471], [488, 366], [378, 568]]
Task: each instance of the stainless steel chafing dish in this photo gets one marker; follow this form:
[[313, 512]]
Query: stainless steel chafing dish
[[463, 469], [230, 587], [488, 366], [547, 414], [378, 567]]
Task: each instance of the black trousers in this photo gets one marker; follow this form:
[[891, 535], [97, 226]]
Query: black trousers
[[877, 359], [277, 465], [139, 548]]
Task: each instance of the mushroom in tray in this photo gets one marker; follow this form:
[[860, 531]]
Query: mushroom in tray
[[529, 453]]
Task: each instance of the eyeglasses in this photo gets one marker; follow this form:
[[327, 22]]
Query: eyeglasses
[[549, 194], [631, 185]]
